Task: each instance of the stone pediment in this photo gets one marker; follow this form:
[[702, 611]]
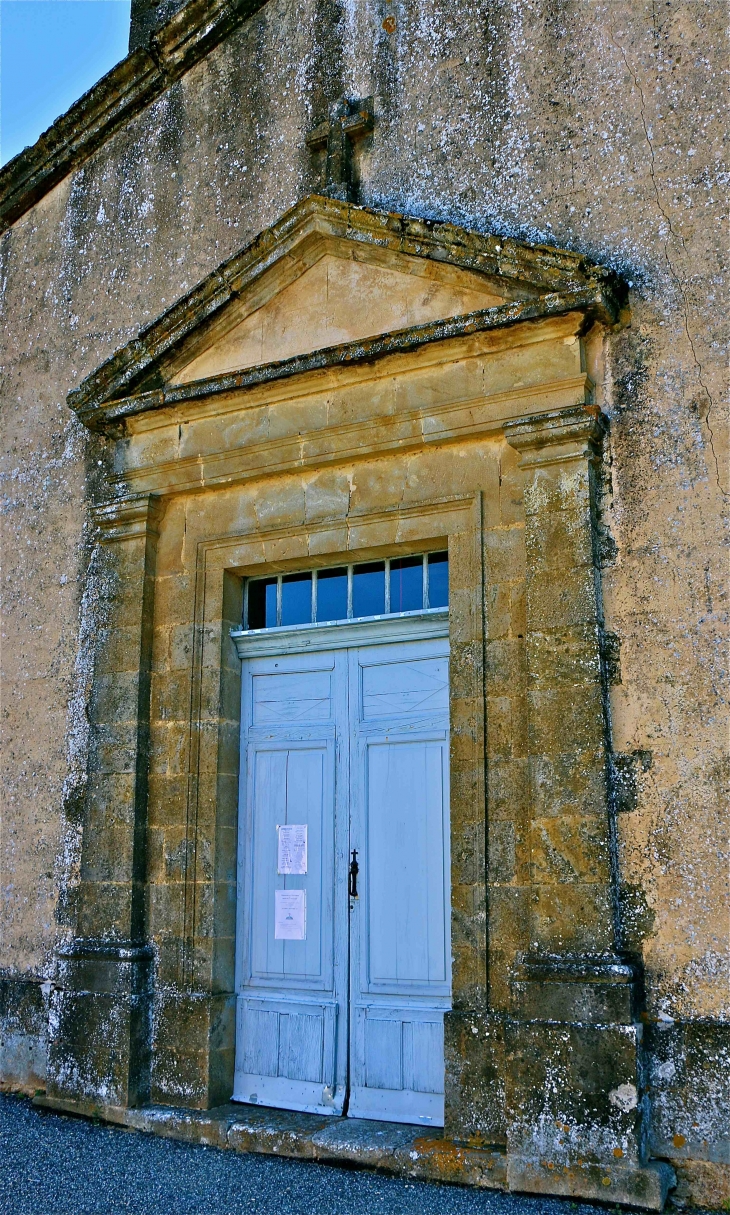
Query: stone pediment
[[331, 282], [347, 293]]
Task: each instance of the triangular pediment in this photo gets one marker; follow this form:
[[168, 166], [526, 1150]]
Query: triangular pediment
[[332, 277], [348, 293]]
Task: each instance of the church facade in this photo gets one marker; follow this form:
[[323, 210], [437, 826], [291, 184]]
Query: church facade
[[365, 473]]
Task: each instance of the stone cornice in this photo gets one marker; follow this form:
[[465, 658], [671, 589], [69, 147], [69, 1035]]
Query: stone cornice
[[101, 402], [564, 434], [91, 948], [129, 518], [126, 90], [569, 968], [555, 280], [349, 353]]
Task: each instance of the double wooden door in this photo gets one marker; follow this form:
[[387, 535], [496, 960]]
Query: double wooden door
[[343, 966]]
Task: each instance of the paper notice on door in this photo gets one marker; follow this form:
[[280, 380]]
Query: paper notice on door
[[292, 851], [290, 915]]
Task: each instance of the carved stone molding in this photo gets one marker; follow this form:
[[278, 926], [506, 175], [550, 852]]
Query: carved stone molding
[[565, 434], [129, 518]]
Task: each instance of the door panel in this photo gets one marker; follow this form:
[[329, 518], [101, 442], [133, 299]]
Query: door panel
[[398, 1064], [405, 687], [290, 991], [292, 696], [400, 942], [291, 785], [404, 807], [409, 1052], [286, 1055]]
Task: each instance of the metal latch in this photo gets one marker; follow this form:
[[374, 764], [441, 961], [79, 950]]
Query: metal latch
[[354, 870]]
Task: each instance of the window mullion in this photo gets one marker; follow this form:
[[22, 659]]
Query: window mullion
[[425, 580]]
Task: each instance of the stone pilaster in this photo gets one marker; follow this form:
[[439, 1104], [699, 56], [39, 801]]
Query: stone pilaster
[[575, 1107], [193, 840], [99, 1026], [570, 834]]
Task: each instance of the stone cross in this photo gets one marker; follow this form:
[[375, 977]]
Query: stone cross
[[348, 122]]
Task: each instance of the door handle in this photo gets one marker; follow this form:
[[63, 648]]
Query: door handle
[[352, 875]]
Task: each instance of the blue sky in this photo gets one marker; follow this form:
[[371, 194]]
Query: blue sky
[[51, 52]]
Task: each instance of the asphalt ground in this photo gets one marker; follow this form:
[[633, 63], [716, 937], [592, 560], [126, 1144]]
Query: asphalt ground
[[56, 1165]]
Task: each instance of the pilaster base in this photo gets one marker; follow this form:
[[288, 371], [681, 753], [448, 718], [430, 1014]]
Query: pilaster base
[[194, 1055], [645, 1187], [575, 1090], [575, 1109], [559, 1081], [474, 1050], [100, 1024]]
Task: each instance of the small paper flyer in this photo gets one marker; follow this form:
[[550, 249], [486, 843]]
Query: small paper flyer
[[290, 915], [292, 850]]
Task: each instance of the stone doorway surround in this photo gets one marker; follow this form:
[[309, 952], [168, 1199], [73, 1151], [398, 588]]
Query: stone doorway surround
[[260, 426]]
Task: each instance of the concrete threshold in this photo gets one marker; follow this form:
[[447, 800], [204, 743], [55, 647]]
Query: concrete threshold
[[389, 1147]]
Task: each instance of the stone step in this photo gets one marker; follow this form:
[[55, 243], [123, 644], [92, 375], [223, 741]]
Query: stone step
[[391, 1147]]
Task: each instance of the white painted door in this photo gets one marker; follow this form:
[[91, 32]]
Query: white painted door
[[347, 1012]]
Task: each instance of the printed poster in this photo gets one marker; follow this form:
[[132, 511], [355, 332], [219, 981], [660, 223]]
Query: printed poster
[[290, 915], [292, 850]]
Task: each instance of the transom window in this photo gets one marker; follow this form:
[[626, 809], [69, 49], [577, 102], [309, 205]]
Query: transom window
[[348, 592]]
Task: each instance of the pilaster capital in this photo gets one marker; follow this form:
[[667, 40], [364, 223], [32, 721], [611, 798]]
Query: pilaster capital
[[563, 434], [130, 518]]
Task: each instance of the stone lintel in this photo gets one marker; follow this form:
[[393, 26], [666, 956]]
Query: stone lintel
[[551, 438]]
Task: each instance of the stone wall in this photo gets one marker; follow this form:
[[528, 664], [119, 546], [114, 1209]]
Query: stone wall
[[596, 127]]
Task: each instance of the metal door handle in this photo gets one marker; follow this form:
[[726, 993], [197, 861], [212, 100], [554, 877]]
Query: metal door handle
[[352, 880]]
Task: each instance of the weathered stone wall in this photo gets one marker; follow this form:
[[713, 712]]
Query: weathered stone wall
[[596, 127]]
